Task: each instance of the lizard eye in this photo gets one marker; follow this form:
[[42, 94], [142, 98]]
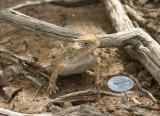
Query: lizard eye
[[86, 44]]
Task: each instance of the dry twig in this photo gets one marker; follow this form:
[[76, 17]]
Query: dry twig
[[79, 110], [147, 107], [147, 51], [73, 3], [66, 34], [30, 63], [83, 110], [7, 112], [21, 68], [10, 113], [79, 93], [134, 14], [142, 89], [29, 77]]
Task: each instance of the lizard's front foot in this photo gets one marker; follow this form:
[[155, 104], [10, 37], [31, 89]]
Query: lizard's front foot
[[52, 89]]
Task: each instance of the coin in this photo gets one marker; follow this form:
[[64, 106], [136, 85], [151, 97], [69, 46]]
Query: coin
[[120, 83]]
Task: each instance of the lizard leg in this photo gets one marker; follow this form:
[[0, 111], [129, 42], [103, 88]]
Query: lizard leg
[[99, 80], [52, 87]]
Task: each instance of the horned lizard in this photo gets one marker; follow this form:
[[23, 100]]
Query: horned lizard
[[75, 59]]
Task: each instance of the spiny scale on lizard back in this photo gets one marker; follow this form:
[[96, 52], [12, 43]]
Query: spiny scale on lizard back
[[88, 41], [77, 58], [82, 46]]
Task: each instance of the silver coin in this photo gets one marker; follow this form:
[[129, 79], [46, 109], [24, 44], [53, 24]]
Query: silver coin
[[120, 83]]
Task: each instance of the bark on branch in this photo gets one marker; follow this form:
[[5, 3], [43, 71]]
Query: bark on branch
[[67, 34], [146, 51], [64, 3], [80, 110], [34, 24]]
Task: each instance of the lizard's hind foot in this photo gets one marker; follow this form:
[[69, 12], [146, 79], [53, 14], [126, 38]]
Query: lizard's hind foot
[[51, 90]]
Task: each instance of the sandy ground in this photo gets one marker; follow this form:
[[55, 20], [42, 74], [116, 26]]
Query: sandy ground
[[90, 19]]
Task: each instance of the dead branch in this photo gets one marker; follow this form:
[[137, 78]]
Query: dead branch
[[18, 70], [147, 52], [71, 111], [10, 113], [73, 3], [83, 93], [79, 93], [14, 93], [142, 89], [30, 3], [139, 112], [123, 38], [132, 13], [23, 66], [74, 101], [21, 58], [29, 77], [82, 109], [81, 101], [147, 107], [7, 112], [33, 24], [42, 71], [147, 49]]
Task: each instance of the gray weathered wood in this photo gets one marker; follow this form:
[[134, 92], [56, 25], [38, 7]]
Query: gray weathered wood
[[64, 3], [34, 24], [67, 34], [146, 51]]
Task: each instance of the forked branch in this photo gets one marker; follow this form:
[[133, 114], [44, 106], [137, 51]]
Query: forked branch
[[67, 34], [146, 49]]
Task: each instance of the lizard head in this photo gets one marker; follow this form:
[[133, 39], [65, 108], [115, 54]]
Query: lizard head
[[88, 41]]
